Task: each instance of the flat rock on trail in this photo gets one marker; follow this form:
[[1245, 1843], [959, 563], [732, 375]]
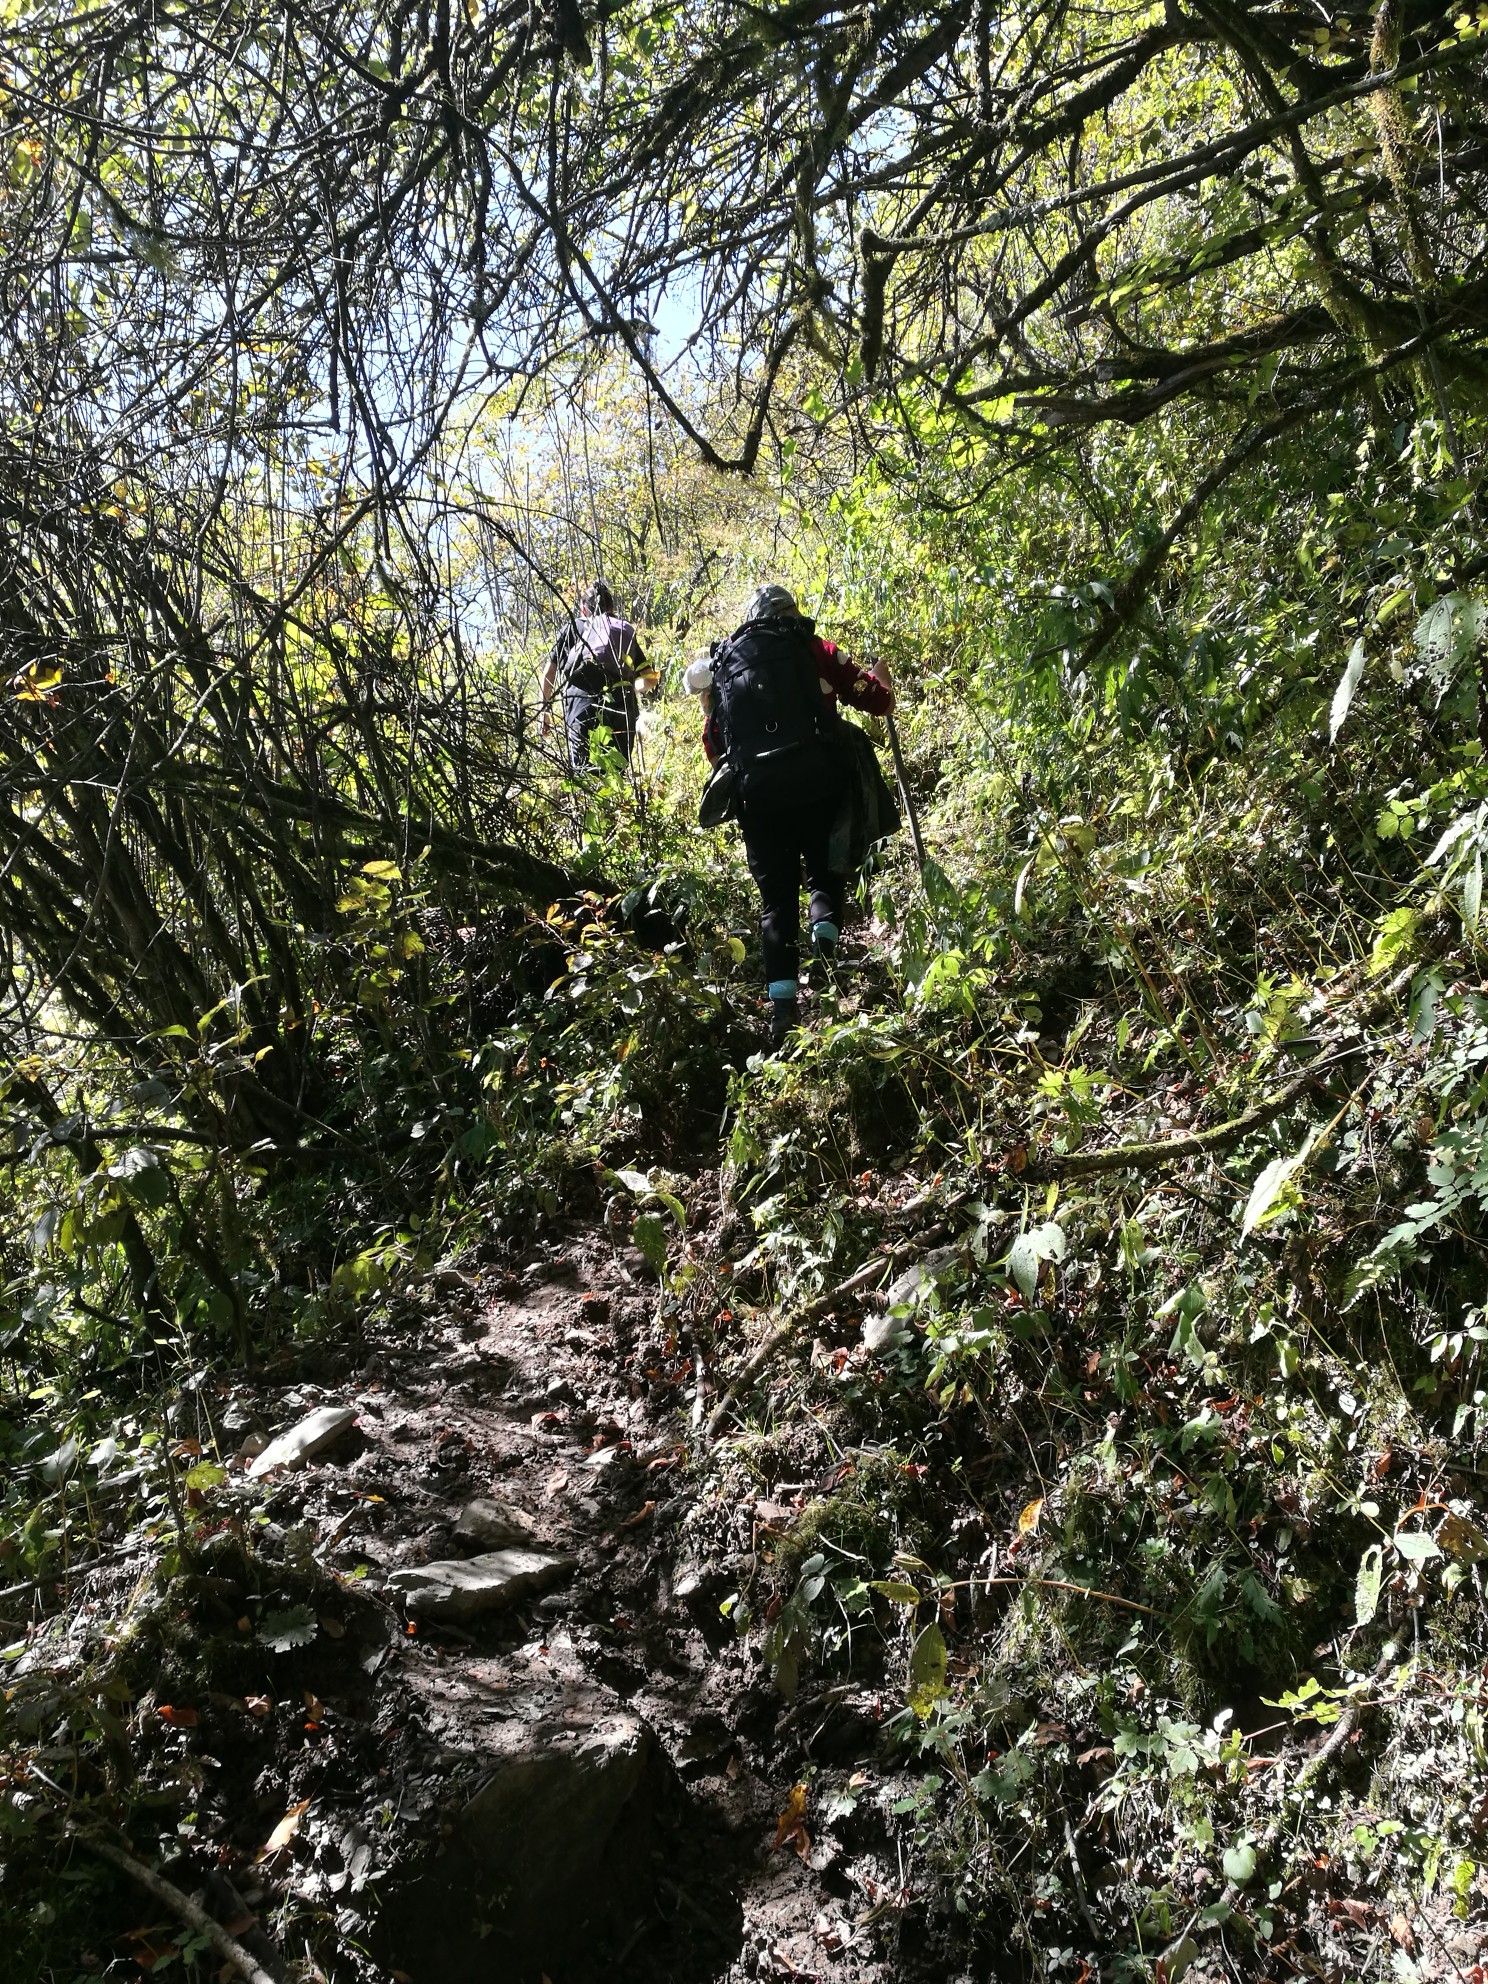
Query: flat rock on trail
[[587, 1782]]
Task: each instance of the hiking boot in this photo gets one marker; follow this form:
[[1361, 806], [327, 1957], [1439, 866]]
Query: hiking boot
[[785, 1016]]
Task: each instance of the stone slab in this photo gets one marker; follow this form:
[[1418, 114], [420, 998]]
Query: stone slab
[[304, 1442], [457, 1588], [489, 1525]]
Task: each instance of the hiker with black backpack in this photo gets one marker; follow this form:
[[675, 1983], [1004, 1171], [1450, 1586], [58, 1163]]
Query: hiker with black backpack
[[595, 660], [771, 691]]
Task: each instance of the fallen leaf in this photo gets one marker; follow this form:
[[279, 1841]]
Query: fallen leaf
[[790, 1827], [646, 1509], [314, 1706], [1028, 1518], [1400, 1932], [774, 1515], [1462, 1539], [178, 1718], [284, 1832], [258, 1705]]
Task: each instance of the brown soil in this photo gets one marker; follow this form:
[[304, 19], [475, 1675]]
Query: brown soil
[[552, 1392]]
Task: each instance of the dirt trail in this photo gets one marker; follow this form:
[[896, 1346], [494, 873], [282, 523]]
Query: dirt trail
[[589, 1784]]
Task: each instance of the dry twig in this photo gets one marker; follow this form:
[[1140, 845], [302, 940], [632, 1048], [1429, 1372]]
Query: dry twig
[[181, 1906]]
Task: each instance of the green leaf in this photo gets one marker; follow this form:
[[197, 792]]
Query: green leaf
[[1240, 1862], [1343, 695], [1416, 1546], [1394, 937], [206, 1474], [649, 1236], [927, 1671], [1472, 894], [1186, 1307], [1367, 1584], [1020, 887], [1030, 1250], [283, 1630], [143, 1177], [1266, 1199], [149, 1189], [894, 1591], [1447, 634]]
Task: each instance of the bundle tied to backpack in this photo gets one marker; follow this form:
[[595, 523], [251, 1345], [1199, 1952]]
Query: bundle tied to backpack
[[869, 811]]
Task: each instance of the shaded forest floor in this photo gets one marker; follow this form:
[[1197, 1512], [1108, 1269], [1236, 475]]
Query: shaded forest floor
[[282, 1683]]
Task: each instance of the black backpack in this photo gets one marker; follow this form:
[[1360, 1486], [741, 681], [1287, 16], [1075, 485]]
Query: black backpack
[[773, 719]]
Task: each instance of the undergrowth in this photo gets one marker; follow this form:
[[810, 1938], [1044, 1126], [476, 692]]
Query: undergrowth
[[1137, 1480]]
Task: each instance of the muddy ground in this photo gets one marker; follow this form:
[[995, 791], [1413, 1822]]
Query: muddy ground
[[595, 1782]]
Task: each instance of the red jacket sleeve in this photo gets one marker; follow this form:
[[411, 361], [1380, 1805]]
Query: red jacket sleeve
[[853, 684]]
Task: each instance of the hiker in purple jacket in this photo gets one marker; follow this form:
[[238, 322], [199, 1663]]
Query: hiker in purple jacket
[[595, 661]]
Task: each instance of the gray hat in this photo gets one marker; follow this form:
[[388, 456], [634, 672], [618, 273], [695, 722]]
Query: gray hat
[[771, 602]]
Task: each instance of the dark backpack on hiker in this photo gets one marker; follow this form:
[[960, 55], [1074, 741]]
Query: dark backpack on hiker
[[775, 725]]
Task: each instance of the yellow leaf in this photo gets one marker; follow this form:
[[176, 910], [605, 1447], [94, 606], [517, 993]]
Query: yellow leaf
[[383, 871], [1462, 1539], [33, 683], [284, 1832], [1028, 1519], [791, 1824]]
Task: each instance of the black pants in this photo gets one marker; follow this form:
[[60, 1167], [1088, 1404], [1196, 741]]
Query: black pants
[[582, 713], [779, 835]]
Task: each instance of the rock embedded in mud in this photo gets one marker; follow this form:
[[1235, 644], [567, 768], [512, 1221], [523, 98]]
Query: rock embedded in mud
[[463, 1588], [490, 1525], [881, 1333], [305, 1442], [548, 1864]]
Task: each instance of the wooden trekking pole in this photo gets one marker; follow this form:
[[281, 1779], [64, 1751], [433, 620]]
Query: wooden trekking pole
[[909, 811]]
